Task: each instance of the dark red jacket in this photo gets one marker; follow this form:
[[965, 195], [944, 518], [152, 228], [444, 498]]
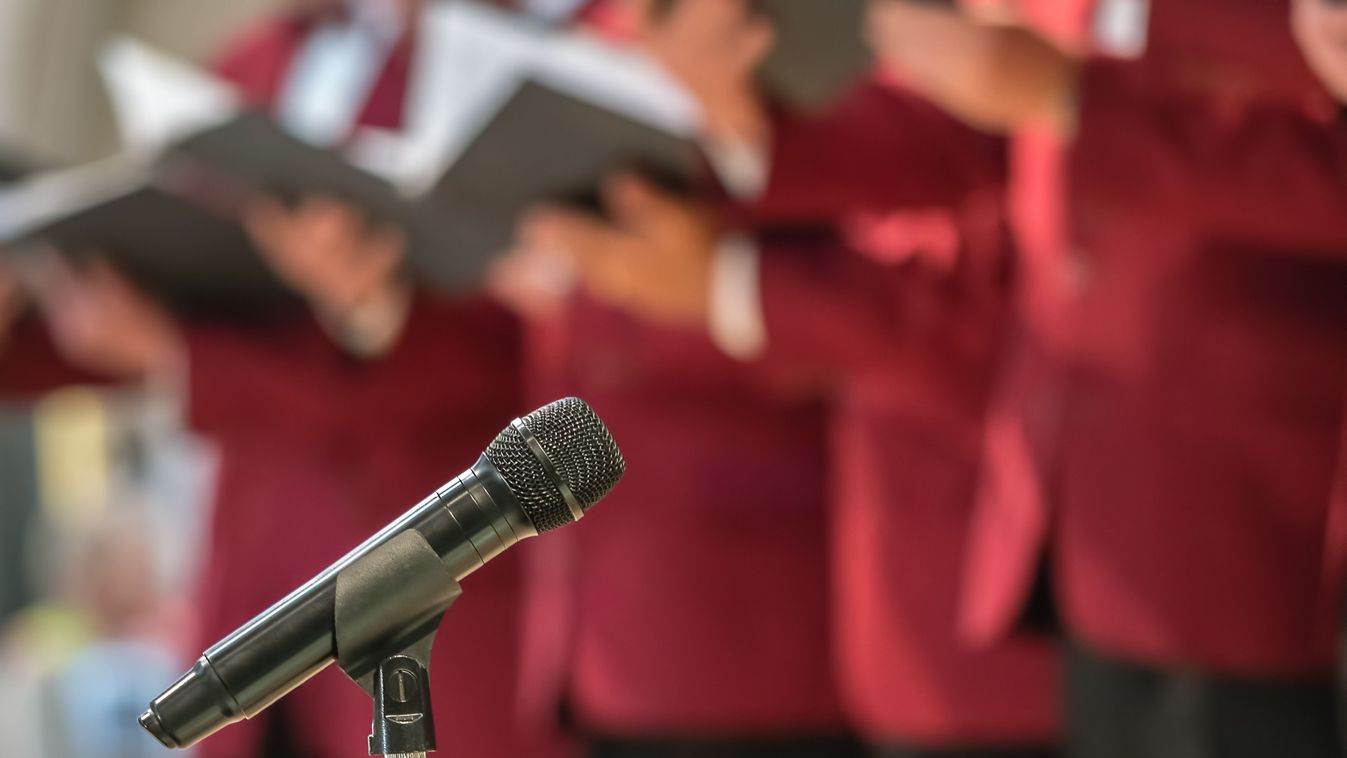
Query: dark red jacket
[[695, 601], [318, 450], [1182, 439], [906, 320]]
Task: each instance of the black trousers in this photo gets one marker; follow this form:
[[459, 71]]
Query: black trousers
[[799, 748], [1117, 709], [985, 752], [802, 747]]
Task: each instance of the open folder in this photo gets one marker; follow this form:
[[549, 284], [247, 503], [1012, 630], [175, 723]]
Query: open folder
[[819, 50], [170, 217], [13, 165]]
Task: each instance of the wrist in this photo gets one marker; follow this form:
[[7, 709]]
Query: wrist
[[738, 118], [735, 317], [368, 326]]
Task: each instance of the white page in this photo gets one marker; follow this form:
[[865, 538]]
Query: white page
[[158, 99], [472, 58], [44, 198]]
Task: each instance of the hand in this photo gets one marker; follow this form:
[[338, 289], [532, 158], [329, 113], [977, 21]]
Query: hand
[[994, 77], [532, 280], [653, 260], [327, 252], [101, 322], [1320, 28], [715, 48]]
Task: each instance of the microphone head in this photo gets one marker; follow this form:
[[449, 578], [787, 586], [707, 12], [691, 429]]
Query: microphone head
[[558, 461]]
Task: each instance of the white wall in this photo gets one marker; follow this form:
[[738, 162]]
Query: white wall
[[51, 102]]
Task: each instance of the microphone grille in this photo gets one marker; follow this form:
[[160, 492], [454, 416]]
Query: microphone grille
[[576, 445]]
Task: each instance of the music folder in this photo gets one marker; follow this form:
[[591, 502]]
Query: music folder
[[543, 117], [13, 165], [173, 223], [191, 258], [820, 50], [546, 146]]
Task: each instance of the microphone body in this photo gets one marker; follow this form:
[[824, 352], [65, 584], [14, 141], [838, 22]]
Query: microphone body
[[467, 522]]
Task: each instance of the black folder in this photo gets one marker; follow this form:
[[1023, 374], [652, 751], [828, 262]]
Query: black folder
[[545, 146], [12, 166], [191, 257], [252, 156], [820, 50], [172, 223]]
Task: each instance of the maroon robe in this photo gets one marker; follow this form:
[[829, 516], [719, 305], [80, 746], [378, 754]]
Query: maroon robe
[[910, 331], [693, 602], [320, 449], [1180, 437]]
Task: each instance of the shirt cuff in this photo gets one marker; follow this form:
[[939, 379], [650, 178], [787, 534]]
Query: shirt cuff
[[736, 320], [372, 329], [743, 166]]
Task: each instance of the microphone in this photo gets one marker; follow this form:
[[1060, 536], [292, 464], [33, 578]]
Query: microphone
[[542, 472]]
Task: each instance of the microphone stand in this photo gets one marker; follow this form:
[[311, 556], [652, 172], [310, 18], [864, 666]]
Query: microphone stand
[[388, 607]]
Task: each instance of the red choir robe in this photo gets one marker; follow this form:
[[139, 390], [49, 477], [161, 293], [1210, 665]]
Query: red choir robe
[[319, 449], [1180, 441], [693, 602], [910, 331]]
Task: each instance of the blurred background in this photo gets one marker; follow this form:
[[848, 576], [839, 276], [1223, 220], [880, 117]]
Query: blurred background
[[979, 365]]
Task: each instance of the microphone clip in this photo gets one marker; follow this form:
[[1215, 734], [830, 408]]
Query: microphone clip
[[389, 605]]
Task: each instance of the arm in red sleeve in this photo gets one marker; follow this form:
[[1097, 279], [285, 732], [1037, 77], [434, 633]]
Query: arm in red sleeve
[[880, 149], [1253, 171]]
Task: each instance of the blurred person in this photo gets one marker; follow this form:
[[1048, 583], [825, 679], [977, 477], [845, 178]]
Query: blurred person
[[874, 259], [1181, 423], [76, 664], [30, 367], [328, 69], [331, 422], [690, 619], [327, 427], [93, 700]]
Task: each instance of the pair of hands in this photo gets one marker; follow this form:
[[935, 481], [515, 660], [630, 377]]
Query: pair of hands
[[323, 249], [652, 257], [1320, 27]]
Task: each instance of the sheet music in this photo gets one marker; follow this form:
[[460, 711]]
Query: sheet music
[[472, 58], [158, 99]]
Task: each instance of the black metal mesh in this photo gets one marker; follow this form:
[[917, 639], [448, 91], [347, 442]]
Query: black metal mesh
[[578, 446]]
